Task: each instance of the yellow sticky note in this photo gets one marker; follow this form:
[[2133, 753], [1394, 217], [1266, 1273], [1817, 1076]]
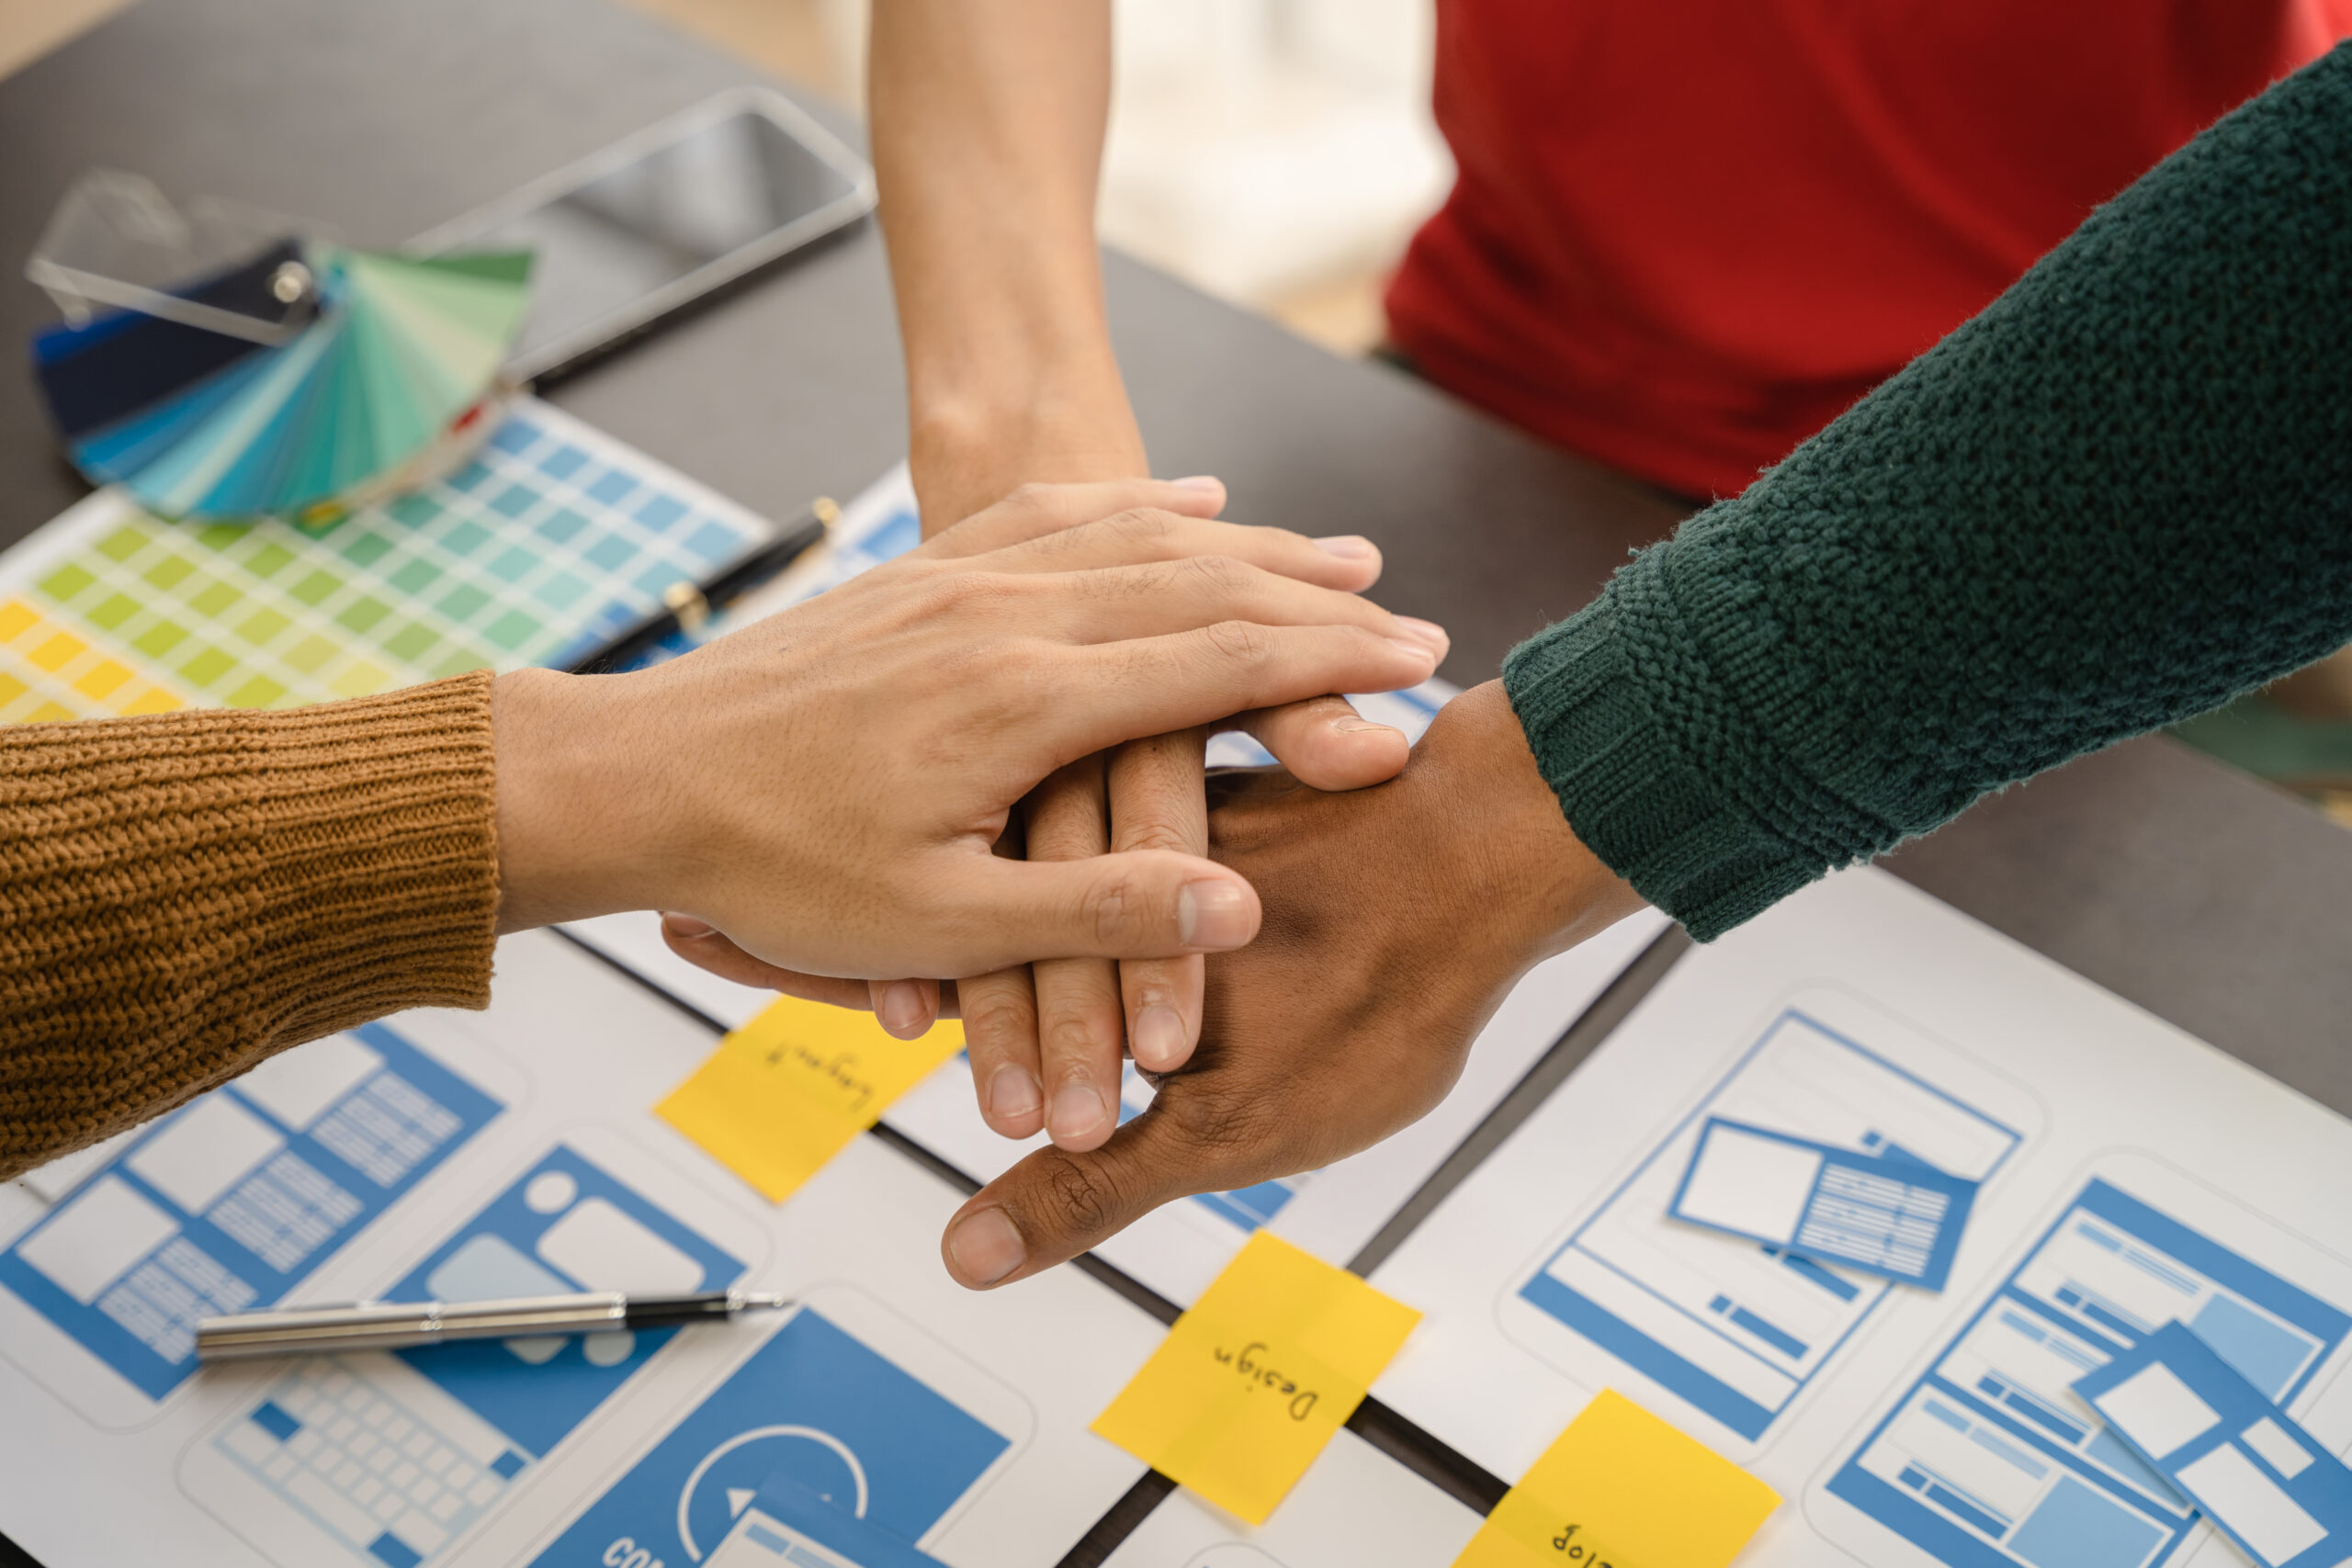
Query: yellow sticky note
[[1250, 1384], [783, 1094], [1622, 1489]]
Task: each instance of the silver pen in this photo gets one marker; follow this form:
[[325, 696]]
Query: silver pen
[[399, 1326]]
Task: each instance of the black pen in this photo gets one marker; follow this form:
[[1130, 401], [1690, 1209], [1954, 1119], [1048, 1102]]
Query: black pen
[[690, 606], [399, 1326]]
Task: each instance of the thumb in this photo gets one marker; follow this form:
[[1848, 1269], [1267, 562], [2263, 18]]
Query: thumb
[[1139, 904], [1055, 1204]]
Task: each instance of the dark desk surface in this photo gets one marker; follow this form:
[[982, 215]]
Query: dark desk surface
[[2211, 900]]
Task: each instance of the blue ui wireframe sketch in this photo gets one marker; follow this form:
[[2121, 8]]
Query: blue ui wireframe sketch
[[223, 1205], [1988, 1462], [2277, 1490], [1735, 1327], [396, 1454], [815, 1415]]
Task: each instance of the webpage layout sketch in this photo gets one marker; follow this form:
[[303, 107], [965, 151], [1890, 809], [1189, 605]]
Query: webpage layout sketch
[[393, 1454], [848, 1439], [227, 1204], [1736, 1328], [1990, 1459]]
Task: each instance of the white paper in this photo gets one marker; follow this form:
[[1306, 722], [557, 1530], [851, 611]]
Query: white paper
[[2236, 1181], [1355, 1507], [565, 1176]]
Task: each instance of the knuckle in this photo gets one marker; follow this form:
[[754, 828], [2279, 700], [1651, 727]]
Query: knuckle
[[1222, 574], [1143, 525], [1239, 642], [1081, 1198], [1153, 835], [1117, 911], [1033, 496]]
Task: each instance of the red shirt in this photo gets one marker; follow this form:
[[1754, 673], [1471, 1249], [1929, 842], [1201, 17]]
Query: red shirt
[[1687, 234]]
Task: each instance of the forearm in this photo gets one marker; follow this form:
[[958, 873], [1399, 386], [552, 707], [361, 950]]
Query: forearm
[[988, 136], [182, 896], [2120, 496]]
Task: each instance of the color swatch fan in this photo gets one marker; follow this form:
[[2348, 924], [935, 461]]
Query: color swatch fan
[[297, 379]]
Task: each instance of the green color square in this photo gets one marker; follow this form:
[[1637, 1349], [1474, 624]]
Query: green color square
[[160, 640], [512, 564], [362, 613], [367, 549], [512, 630], [123, 543], [214, 599], [561, 589], [459, 661], [609, 552], [463, 600], [263, 625], [256, 692], [167, 572], [113, 610], [316, 588], [414, 510], [465, 538], [311, 654], [66, 581], [220, 535], [409, 641], [415, 575], [269, 560], [207, 665]]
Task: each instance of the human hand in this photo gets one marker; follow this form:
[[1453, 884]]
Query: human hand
[[763, 783], [1396, 918]]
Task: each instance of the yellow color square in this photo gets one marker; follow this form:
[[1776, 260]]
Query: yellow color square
[[1620, 1486], [11, 688], [58, 652], [155, 699], [785, 1093], [361, 679], [102, 679], [1251, 1383], [15, 617], [50, 712]]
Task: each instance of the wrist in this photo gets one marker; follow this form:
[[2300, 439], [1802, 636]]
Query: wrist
[[970, 446], [574, 840]]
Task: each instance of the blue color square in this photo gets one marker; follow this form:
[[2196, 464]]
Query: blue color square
[[512, 562], [561, 589], [2078, 1528], [272, 1418], [391, 1550], [563, 462], [514, 501], [465, 538], [516, 435], [609, 552], [507, 1464], [561, 524], [469, 478], [657, 578], [611, 486], [658, 511], [714, 541]]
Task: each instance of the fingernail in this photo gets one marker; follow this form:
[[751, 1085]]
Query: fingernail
[[985, 1247], [1361, 727], [685, 926], [902, 1012], [1428, 631], [1350, 547], [1160, 1036], [1014, 1092], [1076, 1112], [1215, 913], [1420, 650], [1198, 481]]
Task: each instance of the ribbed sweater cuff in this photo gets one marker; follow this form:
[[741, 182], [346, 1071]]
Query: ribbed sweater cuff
[[180, 895], [1632, 796]]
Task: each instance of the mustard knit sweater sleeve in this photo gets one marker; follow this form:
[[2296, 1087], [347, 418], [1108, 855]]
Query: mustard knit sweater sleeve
[[181, 895]]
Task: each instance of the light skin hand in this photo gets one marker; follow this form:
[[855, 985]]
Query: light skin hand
[[1396, 918], [762, 784]]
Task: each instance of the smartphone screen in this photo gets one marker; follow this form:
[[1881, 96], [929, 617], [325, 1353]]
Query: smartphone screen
[[666, 214]]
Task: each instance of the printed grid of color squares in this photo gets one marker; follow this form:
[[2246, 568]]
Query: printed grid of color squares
[[554, 540]]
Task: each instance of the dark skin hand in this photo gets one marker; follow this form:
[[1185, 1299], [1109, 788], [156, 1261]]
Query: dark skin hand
[[1395, 920]]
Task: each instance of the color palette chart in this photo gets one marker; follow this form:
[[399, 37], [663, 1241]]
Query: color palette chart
[[554, 540]]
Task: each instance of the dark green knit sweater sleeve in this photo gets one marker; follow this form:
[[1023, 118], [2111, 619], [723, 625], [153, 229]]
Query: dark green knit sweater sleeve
[[2120, 496]]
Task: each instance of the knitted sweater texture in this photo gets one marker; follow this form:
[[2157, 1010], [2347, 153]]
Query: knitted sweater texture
[[184, 895], [2120, 496]]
